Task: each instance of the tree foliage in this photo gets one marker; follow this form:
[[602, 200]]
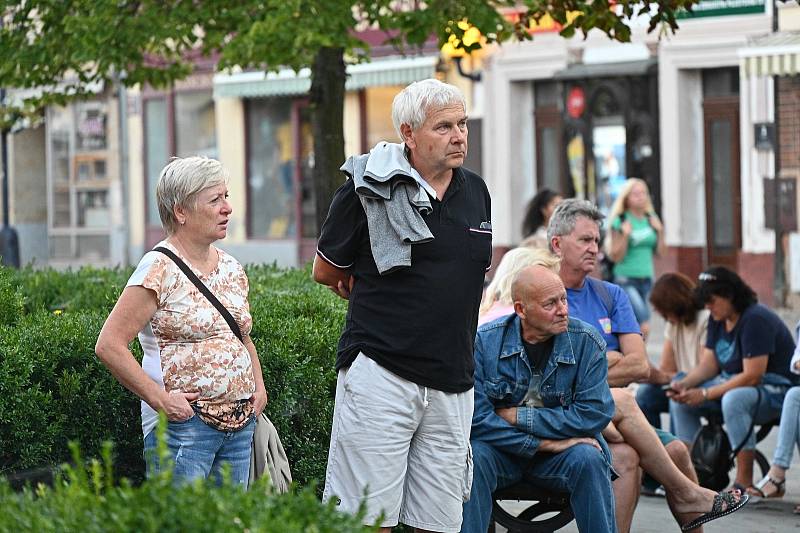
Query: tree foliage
[[68, 48]]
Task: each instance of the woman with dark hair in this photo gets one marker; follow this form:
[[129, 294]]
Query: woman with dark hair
[[534, 226], [748, 349], [684, 337]]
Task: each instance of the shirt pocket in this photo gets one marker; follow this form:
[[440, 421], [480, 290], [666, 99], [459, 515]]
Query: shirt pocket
[[480, 245], [552, 397]]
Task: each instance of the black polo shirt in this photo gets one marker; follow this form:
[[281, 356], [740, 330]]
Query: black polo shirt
[[418, 322]]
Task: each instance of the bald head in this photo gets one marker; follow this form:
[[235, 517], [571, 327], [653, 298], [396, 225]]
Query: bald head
[[540, 301], [529, 279]]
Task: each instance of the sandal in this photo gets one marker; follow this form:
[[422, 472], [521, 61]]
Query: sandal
[[731, 506], [758, 489]]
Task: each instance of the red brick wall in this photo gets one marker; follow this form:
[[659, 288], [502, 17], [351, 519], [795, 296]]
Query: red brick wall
[[758, 271], [684, 259], [789, 121]]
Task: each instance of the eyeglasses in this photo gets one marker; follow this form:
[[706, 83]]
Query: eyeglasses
[[705, 276]]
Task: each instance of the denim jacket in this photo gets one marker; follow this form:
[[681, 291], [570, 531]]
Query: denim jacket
[[577, 400]]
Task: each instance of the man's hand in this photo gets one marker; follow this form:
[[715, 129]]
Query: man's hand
[[341, 290], [509, 414], [176, 405], [259, 401], [612, 434], [558, 446]]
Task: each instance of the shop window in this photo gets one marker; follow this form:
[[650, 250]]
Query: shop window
[[157, 151], [378, 104], [79, 175], [270, 169], [280, 156], [195, 125], [178, 123], [720, 82]]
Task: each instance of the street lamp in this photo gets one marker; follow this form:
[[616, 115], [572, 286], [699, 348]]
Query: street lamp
[[456, 50]]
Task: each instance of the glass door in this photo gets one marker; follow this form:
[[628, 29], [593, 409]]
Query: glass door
[[723, 198]]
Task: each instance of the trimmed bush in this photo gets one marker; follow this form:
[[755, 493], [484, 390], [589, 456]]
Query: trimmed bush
[[87, 288], [53, 389], [10, 299], [88, 501]]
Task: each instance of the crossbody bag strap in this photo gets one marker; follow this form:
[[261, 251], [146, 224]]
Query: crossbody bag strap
[[203, 289]]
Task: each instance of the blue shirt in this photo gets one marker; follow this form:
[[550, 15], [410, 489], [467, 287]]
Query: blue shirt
[[758, 331], [585, 303]]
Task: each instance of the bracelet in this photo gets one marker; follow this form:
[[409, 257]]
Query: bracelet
[[705, 394]]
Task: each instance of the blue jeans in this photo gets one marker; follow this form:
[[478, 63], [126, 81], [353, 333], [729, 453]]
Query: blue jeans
[[788, 434], [580, 470], [737, 407], [197, 451], [653, 401], [638, 290]]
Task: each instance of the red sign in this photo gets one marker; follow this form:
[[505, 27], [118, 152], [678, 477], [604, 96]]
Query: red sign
[[576, 102]]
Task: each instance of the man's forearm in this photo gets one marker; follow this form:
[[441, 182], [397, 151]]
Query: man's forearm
[[624, 370]]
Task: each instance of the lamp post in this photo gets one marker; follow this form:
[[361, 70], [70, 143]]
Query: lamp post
[[9, 242], [454, 49]]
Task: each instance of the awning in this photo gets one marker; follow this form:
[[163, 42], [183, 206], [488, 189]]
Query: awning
[[378, 73], [777, 54], [606, 70]]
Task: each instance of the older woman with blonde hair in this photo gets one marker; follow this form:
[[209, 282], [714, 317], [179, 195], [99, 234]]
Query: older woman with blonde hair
[[635, 235], [187, 302], [497, 299]]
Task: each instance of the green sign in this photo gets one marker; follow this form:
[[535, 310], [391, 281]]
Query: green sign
[[721, 8]]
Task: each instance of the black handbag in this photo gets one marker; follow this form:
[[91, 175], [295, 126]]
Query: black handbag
[[712, 456]]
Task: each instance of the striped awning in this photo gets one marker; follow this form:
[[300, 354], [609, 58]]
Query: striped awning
[[378, 73], [777, 54]]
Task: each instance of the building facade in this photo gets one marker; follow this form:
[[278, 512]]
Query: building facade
[[581, 116]]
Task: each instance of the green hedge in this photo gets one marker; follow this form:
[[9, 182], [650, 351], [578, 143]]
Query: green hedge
[[87, 501], [53, 389]]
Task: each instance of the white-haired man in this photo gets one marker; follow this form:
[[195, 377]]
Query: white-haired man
[[407, 240]]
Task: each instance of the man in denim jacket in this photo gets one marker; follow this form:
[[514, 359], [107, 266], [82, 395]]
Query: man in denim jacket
[[541, 401]]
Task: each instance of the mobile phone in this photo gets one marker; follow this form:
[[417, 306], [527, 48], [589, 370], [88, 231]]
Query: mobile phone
[[667, 388]]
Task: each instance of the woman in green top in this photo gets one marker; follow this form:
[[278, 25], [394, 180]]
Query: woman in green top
[[636, 234]]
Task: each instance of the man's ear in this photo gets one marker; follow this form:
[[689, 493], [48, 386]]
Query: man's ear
[[408, 135], [555, 244], [519, 309]]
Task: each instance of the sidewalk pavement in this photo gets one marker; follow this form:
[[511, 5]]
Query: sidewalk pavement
[[771, 516]]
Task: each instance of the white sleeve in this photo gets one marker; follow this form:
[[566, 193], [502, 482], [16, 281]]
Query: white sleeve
[[137, 278]]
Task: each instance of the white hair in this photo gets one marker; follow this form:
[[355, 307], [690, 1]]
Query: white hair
[[512, 263], [179, 183], [412, 104]]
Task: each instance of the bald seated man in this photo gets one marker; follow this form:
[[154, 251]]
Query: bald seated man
[[541, 403]]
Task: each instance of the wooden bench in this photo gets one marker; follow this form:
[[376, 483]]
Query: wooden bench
[[531, 520]]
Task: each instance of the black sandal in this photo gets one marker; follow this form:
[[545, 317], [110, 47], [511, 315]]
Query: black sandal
[[717, 511]]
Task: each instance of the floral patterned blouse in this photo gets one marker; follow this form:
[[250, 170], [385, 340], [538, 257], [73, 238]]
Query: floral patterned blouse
[[188, 346]]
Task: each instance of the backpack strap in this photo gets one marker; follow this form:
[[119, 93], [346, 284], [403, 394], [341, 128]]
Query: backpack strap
[[203, 289], [602, 291]]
